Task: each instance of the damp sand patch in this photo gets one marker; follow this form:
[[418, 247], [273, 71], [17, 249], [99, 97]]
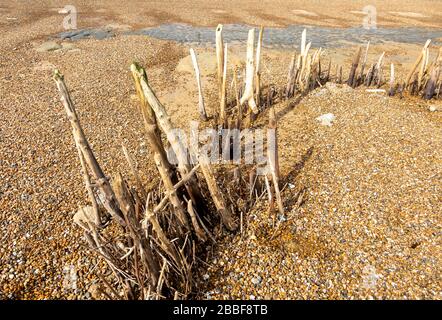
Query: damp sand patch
[[273, 37]]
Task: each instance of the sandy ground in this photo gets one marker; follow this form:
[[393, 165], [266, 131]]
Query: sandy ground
[[336, 13], [390, 148]]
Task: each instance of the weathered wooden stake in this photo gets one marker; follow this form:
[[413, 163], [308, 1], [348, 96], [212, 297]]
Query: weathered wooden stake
[[101, 180], [215, 192], [352, 79], [223, 102], [274, 160], [201, 107], [361, 76], [171, 192], [257, 70], [193, 216], [249, 93], [179, 149], [219, 57], [238, 104], [416, 64], [392, 88], [432, 82]]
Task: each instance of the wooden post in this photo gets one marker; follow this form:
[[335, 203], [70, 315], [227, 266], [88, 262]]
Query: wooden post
[[392, 88], [416, 64], [201, 107], [379, 74], [257, 70], [352, 79], [171, 192], [215, 192], [133, 226], [369, 76], [238, 104], [432, 82], [101, 180], [250, 72], [223, 102], [193, 216], [165, 243], [422, 69], [303, 42], [340, 75], [274, 161], [290, 78], [87, 181], [149, 118], [327, 78], [361, 76], [179, 149], [220, 61]]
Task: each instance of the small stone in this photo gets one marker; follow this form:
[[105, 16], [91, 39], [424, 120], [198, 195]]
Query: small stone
[[25, 197], [326, 119], [433, 108], [256, 280]]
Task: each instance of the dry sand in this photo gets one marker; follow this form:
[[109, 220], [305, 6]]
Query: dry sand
[[336, 13], [372, 180]]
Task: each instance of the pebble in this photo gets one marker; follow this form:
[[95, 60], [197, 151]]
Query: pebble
[[256, 280], [326, 119]]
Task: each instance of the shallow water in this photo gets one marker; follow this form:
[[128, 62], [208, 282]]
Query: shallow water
[[273, 37]]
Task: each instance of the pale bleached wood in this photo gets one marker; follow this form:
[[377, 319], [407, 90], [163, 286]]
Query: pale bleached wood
[[201, 106], [364, 62], [215, 192], [171, 192], [177, 145], [416, 64], [223, 102], [290, 80], [258, 50], [100, 179], [238, 104], [303, 41], [274, 161], [219, 43], [422, 69], [193, 217], [392, 75], [165, 243], [90, 191], [126, 202], [379, 73], [248, 94], [134, 171], [257, 67], [181, 183], [149, 118], [430, 88]]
